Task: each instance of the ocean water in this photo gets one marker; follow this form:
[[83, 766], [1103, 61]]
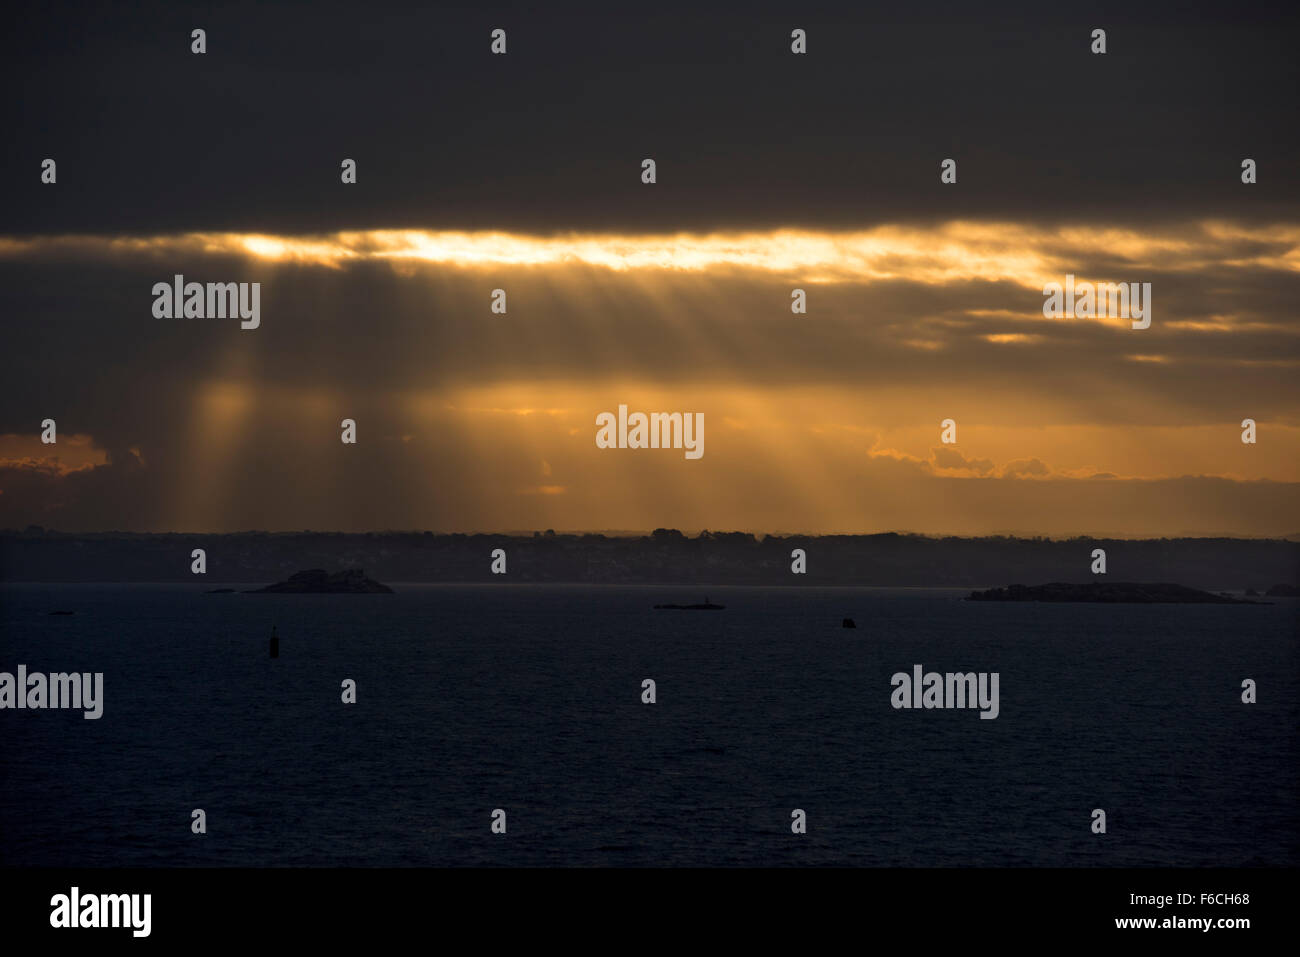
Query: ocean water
[[528, 699]]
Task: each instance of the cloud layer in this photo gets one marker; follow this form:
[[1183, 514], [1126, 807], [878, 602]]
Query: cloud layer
[[828, 421]]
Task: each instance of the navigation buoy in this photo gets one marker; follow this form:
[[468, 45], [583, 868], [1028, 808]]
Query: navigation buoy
[[275, 643], [848, 623]]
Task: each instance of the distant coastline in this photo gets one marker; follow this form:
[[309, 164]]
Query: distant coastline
[[665, 557], [1105, 592]]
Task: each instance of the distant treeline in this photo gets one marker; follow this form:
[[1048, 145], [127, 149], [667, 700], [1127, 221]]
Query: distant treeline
[[665, 556]]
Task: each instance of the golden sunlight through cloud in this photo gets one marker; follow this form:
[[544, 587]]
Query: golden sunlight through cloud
[[957, 251]]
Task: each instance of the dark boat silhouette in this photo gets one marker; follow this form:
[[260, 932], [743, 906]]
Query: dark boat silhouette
[[706, 605]]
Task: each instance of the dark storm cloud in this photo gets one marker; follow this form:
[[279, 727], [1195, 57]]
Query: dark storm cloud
[[151, 138]]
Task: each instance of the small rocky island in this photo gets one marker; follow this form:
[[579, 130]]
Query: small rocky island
[[317, 581], [1146, 593]]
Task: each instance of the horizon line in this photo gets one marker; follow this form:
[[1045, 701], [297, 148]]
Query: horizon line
[[687, 534]]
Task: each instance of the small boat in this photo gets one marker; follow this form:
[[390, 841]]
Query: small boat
[[706, 605]]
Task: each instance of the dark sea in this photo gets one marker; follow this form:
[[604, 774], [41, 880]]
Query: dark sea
[[529, 699]]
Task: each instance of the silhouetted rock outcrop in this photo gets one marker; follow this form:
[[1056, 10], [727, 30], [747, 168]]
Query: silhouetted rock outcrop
[[317, 581], [1107, 592]]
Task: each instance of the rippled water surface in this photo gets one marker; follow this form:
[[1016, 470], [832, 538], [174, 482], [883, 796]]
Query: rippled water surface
[[528, 698]]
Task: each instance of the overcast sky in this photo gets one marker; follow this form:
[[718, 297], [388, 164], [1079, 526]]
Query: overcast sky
[[774, 172]]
